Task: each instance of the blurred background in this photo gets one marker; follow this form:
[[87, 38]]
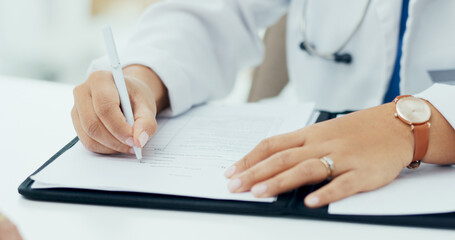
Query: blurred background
[[55, 40]]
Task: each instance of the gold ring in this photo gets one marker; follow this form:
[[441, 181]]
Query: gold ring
[[328, 164]]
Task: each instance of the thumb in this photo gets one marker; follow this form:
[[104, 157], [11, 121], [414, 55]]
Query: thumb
[[144, 125]]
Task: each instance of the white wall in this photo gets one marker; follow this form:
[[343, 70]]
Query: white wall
[[56, 39]]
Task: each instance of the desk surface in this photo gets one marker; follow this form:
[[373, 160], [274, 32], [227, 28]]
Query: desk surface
[[35, 123]]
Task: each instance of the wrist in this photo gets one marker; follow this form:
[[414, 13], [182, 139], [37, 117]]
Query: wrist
[[416, 113], [434, 137], [441, 140], [401, 131], [152, 80]]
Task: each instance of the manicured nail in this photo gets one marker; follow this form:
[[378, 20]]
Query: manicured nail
[[129, 141], [132, 151], [234, 184], [230, 171], [312, 201], [259, 189], [143, 138]]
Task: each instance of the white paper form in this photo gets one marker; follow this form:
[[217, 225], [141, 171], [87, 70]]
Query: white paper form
[[428, 189], [187, 156]]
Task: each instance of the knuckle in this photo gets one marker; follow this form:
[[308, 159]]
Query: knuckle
[[266, 144], [105, 106], [149, 123], [315, 134], [250, 176], [282, 159], [93, 128], [73, 113], [99, 74], [346, 186], [328, 144], [244, 163], [153, 128], [104, 110], [306, 170], [341, 147], [310, 130], [302, 134], [78, 90], [278, 184], [95, 147], [120, 147], [328, 194]]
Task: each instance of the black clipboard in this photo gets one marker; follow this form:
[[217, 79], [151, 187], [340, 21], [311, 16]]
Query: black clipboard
[[289, 204]]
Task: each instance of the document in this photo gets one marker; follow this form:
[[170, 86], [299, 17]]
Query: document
[[425, 190], [187, 156]]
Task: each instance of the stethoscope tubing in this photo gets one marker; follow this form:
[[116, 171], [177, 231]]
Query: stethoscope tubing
[[328, 55]]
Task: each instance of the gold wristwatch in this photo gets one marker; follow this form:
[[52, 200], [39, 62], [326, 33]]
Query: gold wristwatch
[[416, 113]]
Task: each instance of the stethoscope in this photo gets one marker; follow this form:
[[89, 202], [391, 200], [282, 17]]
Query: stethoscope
[[335, 56]]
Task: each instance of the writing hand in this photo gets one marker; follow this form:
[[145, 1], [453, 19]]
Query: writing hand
[[98, 118]]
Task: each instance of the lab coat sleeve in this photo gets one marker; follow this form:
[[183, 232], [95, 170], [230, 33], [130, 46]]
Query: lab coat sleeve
[[198, 47], [442, 97]]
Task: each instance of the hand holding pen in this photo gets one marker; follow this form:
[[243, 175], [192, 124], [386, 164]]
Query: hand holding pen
[[97, 114]]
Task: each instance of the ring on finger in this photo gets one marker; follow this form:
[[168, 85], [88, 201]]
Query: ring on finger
[[328, 164]]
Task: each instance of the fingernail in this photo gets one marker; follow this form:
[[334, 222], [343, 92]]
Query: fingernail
[[312, 201], [234, 184], [143, 138], [259, 189], [230, 171], [132, 151], [129, 141]]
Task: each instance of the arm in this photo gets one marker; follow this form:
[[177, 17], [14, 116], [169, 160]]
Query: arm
[[198, 47], [182, 53], [442, 142]]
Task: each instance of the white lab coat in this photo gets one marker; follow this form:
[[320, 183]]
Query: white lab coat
[[197, 47]]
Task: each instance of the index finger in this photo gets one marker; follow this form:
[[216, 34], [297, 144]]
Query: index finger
[[106, 103], [265, 149]]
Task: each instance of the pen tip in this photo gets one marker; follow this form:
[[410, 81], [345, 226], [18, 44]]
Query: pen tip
[[138, 152]]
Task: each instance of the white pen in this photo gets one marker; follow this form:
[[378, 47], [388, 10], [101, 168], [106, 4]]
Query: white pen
[[119, 81]]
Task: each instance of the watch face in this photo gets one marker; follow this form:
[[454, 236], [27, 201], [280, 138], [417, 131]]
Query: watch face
[[413, 110]]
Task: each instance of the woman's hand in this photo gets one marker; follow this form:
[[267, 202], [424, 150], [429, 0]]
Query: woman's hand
[[98, 118], [369, 148], [8, 231]]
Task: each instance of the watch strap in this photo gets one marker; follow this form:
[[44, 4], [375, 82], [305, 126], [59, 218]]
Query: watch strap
[[421, 140], [421, 134]]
